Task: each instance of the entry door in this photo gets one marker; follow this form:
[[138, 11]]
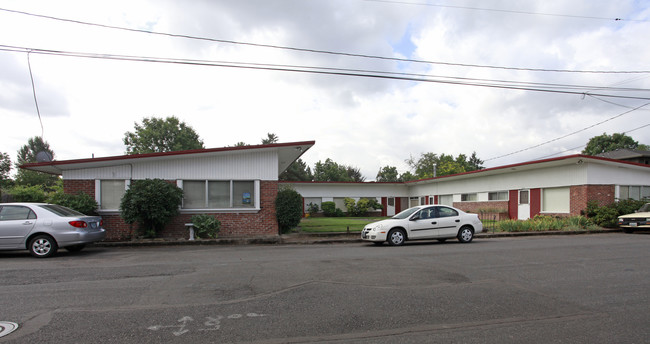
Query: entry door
[[524, 205], [390, 208]]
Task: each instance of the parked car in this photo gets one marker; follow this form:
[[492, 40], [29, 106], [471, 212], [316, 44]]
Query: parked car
[[637, 220], [42, 228], [424, 222]]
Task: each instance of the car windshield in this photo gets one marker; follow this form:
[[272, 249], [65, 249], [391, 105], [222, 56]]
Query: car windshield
[[61, 210], [406, 213], [645, 208]]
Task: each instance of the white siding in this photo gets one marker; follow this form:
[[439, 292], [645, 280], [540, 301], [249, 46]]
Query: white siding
[[331, 190], [256, 165]]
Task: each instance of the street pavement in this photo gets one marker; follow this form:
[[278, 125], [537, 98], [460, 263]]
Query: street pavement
[[539, 289]]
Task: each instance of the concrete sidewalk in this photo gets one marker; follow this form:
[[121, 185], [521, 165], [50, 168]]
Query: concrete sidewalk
[[316, 238]]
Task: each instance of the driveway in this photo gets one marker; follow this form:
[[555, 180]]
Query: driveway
[[571, 289]]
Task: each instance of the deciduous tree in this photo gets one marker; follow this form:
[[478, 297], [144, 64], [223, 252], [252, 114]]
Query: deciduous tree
[[607, 143], [161, 135], [34, 150]]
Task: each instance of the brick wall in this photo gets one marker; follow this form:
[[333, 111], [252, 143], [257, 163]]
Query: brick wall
[[580, 195], [232, 224], [74, 186]]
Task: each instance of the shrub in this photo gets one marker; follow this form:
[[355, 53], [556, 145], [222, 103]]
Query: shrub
[[329, 208], [312, 208], [81, 202], [21, 193], [206, 226], [607, 216], [151, 203], [288, 209], [361, 207]]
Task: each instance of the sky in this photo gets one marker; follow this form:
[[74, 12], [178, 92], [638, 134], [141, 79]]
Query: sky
[[426, 59]]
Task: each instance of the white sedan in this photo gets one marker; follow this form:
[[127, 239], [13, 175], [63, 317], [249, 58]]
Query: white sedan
[[43, 228], [424, 222]]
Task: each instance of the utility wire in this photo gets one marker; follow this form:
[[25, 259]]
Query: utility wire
[[505, 11], [563, 89], [317, 51], [31, 76], [567, 135]]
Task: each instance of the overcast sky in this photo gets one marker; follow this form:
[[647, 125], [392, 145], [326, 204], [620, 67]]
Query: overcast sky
[[87, 104]]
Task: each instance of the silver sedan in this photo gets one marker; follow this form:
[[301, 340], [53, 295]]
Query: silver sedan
[[42, 228]]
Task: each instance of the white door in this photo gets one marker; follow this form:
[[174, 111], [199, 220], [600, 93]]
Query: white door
[[390, 208], [524, 205]]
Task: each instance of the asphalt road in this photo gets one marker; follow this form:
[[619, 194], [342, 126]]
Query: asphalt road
[[552, 289]]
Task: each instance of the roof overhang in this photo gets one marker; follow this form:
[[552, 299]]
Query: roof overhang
[[287, 154]]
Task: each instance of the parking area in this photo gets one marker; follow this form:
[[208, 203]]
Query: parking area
[[577, 289]]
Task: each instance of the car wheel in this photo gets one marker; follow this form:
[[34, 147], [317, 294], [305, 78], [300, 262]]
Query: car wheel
[[75, 248], [42, 246], [465, 234], [396, 237]]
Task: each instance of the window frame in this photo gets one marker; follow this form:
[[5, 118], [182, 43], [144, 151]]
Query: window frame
[[232, 207]]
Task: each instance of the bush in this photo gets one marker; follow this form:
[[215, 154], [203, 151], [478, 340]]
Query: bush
[[545, 223], [21, 193], [81, 202], [329, 208], [607, 216], [361, 207], [288, 209], [312, 208], [206, 226], [152, 203]]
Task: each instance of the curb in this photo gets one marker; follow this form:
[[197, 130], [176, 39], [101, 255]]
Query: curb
[[315, 238]]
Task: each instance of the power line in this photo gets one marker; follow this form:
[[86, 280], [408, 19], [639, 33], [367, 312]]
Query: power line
[[317, 51], [505, 11], [31, 76], [567, 135], [513, 85]]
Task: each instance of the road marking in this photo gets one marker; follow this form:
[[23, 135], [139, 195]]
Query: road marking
[[212, 323], [7, 327]]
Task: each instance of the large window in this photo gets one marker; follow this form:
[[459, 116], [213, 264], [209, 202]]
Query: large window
[[556, 200], [635, 192], [111, 192], [209, 194], [446, 200]]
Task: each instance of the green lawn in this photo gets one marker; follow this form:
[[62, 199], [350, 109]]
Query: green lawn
[[335, 224]]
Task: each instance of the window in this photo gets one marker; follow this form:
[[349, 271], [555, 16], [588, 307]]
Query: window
[[10, 212], [556, 200], [446, 200], [446, 212], [634, 192], [523, 197], [414, 202], [498, 196], [111, 193], [469, 197], [202, 194]]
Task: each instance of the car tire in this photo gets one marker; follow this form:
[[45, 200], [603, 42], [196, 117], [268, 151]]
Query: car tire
[[42, 246], [75, 248], [396, 237], [465, 234]]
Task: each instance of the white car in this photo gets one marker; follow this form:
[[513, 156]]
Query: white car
[[424, 222], [638, 220], [42, 228]]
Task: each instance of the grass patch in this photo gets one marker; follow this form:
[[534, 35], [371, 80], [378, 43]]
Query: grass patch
[[335, 224]]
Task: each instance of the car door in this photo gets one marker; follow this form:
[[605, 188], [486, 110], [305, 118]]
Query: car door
[[422, 224], [16, 222], [447, 222]]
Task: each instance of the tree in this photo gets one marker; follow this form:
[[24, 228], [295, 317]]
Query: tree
[[355, 174], [5, 168], [34, 150], [388, 174], [158, 135], [270, 138], [152, 203], [288, 209], [298, 171], [240, 144], [607, 143], [444, 164], [330, 171]]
